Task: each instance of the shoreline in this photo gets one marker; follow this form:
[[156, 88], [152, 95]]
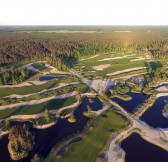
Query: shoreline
[[115, 152]]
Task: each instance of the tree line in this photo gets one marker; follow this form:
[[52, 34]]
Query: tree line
[[68, 47]]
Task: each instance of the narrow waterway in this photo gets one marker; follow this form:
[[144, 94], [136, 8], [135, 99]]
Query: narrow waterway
[[47, 77], [139, 150]]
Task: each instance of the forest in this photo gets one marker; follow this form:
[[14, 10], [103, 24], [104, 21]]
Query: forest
[[68, 47]]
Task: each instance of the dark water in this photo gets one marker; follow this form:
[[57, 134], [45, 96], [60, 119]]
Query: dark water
[[137, 98], [139, 150], [46, 78], [47, 138], [153, 116], [164, 84]]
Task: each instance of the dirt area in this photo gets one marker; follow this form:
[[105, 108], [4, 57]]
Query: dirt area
[[101, 67], [56, 71], [123, 31], [115, 58], [162, 89], [88, 58], [140, 59], [126, 71]]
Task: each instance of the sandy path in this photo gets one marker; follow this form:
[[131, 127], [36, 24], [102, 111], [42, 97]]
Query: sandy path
[[24, 84], [43, 91], [140, 59], [35, 116], [154, 136], [47, 65], [100, 84], [45, 125], [129, 76], [99, 112], [162, 89], [30, 67], [161, 95], [126, 71], [56, 71], [35, 102], [116, 58], [89, 58], [101, 67]]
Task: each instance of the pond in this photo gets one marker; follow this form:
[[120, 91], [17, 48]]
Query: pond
[[153, 116], [139, 150], [47, 138], [47, 77], [137, 98]]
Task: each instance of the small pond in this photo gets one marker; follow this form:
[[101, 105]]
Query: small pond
[[137, 98], [47, 77], [139, 150]]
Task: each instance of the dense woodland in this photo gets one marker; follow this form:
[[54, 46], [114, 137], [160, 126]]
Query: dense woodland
[[67, 47]]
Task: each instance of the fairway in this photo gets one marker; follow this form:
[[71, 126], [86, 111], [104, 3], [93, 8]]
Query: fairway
[[94, 142], [35, 88], [33, 109], [113, 62]]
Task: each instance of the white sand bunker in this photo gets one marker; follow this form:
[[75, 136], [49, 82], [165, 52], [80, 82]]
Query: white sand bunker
[[89, 58], [116, 58], [126, 71], [101, 67], [139, 59]]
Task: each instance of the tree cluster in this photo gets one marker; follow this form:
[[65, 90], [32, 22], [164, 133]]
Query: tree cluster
[[20, 142], [14, 76]]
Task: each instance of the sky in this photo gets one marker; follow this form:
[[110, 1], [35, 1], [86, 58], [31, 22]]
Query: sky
[[83, 12]]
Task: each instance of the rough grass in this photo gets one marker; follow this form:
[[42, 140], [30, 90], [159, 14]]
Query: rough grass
[[27, 89], [33, 109], [35, 88], [94, 142], [115, 65]]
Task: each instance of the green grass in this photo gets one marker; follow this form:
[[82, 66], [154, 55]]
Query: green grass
[[27, 89], [115, 65], [35, 88], [94, 142], [33, 109]]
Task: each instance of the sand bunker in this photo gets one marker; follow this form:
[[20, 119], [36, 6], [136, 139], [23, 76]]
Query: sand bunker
[[115, 58], [139, 59], [126, 71], [101, 67], [88, 58]]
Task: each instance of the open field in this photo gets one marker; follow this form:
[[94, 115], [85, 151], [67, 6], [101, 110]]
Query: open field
[[94, 142]]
